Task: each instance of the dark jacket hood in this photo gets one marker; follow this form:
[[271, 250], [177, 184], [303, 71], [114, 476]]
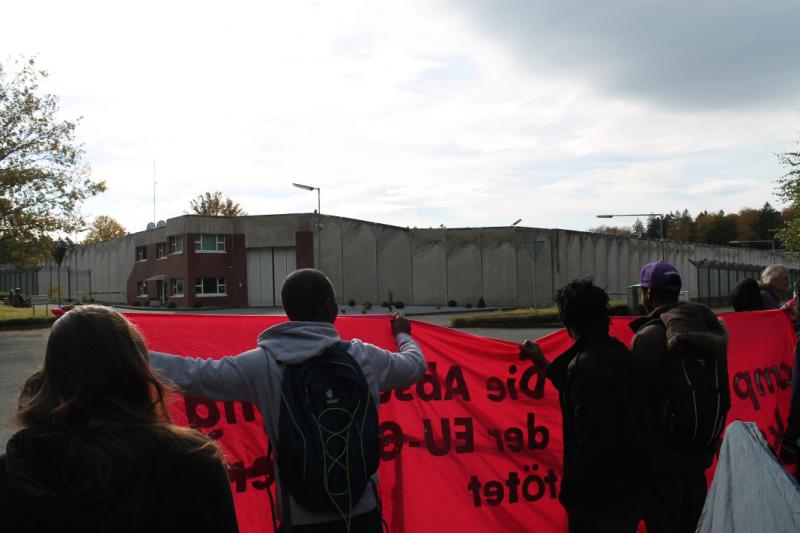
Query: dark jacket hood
[[58, 479], [695, 327], [690, 327]]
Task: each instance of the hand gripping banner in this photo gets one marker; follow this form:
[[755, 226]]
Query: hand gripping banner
[[475, 446]]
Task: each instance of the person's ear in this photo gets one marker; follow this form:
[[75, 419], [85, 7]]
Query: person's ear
[[332, 309]]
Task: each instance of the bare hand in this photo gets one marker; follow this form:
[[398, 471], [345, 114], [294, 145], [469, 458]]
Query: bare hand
[[400, 325], [531, 351]]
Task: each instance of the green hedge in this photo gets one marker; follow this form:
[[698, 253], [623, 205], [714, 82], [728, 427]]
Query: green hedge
[[522, 318]]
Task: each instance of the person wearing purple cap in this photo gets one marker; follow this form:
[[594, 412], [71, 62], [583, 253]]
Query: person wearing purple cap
[[680, 351]]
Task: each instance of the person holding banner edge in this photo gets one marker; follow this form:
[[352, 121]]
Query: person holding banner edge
[[680, 352], [256, 376], [606, 468]]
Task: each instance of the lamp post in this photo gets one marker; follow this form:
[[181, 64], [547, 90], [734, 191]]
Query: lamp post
[[318, 225], [660, 225], [74, 262]]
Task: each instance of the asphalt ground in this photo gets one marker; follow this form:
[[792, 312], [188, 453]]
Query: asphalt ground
[[22, 352]]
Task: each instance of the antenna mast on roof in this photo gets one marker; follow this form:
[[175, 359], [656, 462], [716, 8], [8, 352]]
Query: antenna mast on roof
[[154, 191]]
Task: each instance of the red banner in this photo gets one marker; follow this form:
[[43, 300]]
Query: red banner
[[476, 444]]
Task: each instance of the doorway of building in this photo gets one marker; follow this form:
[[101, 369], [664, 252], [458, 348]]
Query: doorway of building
[[161, 290]]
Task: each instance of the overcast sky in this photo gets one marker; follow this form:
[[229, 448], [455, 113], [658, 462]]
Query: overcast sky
[[424, 112]]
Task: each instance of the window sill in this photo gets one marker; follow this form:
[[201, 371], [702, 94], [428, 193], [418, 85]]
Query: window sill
[[161, 258], [141, 260], [176, 253], [177, 296], [209, 251], [210, 295]]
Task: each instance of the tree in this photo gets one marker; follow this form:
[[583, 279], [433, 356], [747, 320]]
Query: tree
[[715, 228], [746, 224], [789, 192], [681, 226], [638, 229], [213, 205], [769, 219], [612, 230], [43, 178], [104, 228]]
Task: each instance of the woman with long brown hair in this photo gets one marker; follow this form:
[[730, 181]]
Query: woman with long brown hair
[[98, 452]]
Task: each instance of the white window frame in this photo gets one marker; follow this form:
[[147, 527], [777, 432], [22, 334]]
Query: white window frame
[[143, 249], [221, 285], [175, 244], [141, 289], [173, 282], [161, 250], [219, 244]]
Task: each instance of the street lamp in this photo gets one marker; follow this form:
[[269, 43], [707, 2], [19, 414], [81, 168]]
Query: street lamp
[[75, 262], [770, 241], [660, 225], [318, 225]]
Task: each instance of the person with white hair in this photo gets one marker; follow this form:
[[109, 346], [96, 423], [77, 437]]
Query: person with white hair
[[775, 283]]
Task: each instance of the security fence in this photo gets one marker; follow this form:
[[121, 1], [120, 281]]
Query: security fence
[[716, 279], [58, 283]]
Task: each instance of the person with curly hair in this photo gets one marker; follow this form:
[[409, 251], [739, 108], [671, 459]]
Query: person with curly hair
[[605, 460]]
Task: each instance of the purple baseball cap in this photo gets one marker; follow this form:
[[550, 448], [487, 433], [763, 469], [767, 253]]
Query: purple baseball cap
[[661, 275]]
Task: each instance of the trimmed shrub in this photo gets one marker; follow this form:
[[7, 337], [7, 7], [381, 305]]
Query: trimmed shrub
[[197, 304], [172, 305], [351, 303], [481, 302], [452, 303], [400, 305], [137, 303]]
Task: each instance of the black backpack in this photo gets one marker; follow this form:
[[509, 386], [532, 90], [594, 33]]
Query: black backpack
[[328, 445], [694, 398]]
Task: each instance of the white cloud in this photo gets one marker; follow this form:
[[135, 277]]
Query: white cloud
[[389, 107]]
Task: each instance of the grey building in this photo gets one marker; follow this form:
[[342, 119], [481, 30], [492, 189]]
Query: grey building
[[243, 261]]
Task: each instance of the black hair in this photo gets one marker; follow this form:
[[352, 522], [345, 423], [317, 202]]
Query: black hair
[[582, 305], [746, 296], [304, 294]]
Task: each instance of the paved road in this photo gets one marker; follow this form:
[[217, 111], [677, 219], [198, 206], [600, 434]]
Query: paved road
[[22, 352]]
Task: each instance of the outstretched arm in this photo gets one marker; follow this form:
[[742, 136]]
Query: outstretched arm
[[402, 368], [231, 378]]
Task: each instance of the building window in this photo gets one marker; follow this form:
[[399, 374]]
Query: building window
[[176, 244], [161, 250], [141, 289], [210, 287], [141, 253], [177, 286], [208, 242]]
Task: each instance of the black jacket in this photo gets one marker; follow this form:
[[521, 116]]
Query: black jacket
[[605, 457], [688, 322], [50, 483]]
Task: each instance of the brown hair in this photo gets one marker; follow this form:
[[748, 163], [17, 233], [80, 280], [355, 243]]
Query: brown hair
[[97, 382]]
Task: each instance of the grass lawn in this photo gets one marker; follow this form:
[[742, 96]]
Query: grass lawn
[[521, 318], [23, 316]]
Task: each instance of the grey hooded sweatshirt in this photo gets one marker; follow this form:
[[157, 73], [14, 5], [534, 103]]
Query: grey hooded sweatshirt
[[255, 376]]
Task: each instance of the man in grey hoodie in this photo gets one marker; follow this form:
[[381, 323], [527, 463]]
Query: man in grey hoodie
[[255, 375]]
